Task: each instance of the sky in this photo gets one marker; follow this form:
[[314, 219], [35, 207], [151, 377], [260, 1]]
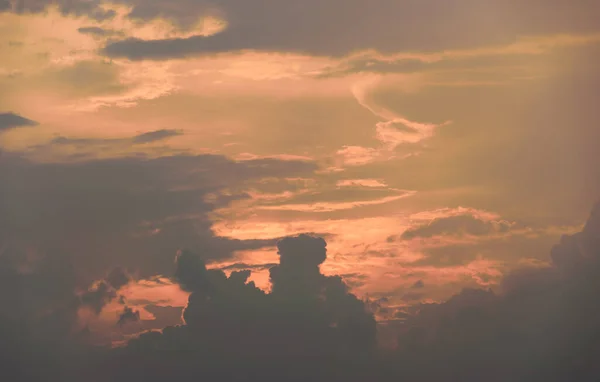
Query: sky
[[440, 150]]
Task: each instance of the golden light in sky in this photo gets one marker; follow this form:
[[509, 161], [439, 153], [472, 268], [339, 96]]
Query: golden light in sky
[[435, 145]]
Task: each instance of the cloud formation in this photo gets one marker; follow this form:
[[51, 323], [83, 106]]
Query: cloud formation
[[543, 325], [457, 226], [126, 211], [11, 121], [391, 26]]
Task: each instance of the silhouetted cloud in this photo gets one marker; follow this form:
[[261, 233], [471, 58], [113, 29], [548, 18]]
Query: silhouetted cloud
[[128, 315], [544, 325], [11, 121], [305, 314]]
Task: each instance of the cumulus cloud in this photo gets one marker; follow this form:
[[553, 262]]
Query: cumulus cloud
[[306, 313]]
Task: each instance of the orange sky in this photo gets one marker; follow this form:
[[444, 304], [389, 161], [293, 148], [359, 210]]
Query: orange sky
[[483, 126]]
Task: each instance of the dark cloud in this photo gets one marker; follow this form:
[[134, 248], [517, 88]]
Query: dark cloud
[[419, 284], [127, 316], [127, 211], [104, 291], [118, 278], [306, 318], [456, 225], [157, 135], [97, 31], [64, 225], [90, 8], [86, 143], [244, 266], [5, 5], [10, 121], [542, 326], [336, 28]]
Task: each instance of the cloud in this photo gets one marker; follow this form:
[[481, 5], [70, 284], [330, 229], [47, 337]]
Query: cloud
[[337, 206], [157, 135], [457, 226], [521, 52], [305, 313], [97, 31], [128, 315], [11, 121], [5, 5], [84, 144], [394, 129], [543, 325], [126, 211], [343, 27], [64, 226], [375, 183]]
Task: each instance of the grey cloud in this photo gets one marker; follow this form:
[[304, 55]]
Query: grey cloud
[[456, 225], [90, 8], [64, 225], [127, 316], [336, 28], [10, 121], [148, 137], [97, 31], [157, 135], [306, 313], [128, 211], [244, 266], [542, 326], [5, 5]]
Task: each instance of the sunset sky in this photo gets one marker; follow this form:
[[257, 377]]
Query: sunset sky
[[434, 144]]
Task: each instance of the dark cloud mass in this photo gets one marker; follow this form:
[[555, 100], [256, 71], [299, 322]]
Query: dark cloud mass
[[335, 27], [10, 121], [338, 27], [128, 315], [307, 318], [132, 212], [542, 325]]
